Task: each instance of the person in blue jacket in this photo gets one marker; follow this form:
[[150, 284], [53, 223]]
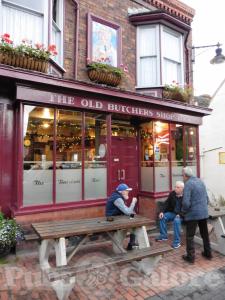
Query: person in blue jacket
[[116, 206], [195, 211]]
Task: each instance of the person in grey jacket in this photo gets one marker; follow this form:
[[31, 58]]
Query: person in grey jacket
[[195, 211]]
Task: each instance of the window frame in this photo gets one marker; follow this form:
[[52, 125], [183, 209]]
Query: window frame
[[160, 28]]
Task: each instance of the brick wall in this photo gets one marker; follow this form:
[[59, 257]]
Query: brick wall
[[112, 11], [116, 12]]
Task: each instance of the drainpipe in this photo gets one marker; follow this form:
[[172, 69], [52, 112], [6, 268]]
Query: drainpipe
[[75, 2]]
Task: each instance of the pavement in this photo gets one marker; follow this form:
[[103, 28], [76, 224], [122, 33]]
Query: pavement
[[22, 279]]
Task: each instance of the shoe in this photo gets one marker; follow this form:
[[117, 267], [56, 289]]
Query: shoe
[[207, 256], [176, 246], [159, 239], [188, 259], [132, 247]]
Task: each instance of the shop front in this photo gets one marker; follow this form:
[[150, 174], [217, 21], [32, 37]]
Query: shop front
[[72, 147]]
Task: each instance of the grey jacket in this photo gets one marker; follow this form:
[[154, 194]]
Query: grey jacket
[[195, 200]]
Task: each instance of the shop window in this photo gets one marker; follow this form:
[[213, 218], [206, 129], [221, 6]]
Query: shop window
[[68, 156], [155, 175], [191, 150], [147, 157], [177, 153], [59, 153], [95, 157], [161, 156], [159, 51], [38, 132], [26, 19]]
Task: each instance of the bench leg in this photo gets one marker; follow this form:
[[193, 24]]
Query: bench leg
[[60, 252], [219, 244], [142, 237], [44, 251], [63, 288], [148, 264], [119, 236]]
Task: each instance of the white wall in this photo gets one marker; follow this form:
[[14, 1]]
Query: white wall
[[212, 141]]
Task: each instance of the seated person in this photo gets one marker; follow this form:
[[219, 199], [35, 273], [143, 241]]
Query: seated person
[[116, 206], [172, 212]]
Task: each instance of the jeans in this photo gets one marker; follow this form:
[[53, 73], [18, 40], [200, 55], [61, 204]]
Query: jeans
[[190, 232], [168, 217]]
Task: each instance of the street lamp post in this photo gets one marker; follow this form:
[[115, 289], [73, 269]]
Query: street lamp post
[[217, 59]]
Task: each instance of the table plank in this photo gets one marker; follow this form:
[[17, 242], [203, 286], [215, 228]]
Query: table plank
[[48, 230], [216, 213]]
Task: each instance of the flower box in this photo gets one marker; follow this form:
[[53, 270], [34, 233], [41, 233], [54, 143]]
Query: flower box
[[25, 55], [20, 61]]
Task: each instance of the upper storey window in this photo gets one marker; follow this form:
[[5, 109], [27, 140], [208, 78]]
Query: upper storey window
[[159, 56], [31, 20]]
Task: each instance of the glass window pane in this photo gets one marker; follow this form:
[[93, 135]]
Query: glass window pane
[[161, 156], [191, 150], [95, 174], [147, 157], [147, 34], [177, 153], [68, 156], [22, 24], [123, 128], [172, 71], [148, 74], [35, 5], [172, 46], [38, 131]]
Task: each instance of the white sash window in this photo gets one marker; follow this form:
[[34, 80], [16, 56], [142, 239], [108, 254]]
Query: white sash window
[[159, 56]]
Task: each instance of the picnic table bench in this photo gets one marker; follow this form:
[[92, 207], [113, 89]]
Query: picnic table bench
[[53, 234], [217, 226]]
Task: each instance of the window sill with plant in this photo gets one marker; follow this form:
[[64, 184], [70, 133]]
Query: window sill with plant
[[104, 73], [25, 55]]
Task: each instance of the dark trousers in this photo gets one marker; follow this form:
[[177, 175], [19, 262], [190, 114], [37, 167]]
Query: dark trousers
[[190, 232]]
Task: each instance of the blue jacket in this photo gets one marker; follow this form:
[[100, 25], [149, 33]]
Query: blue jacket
[[195, 200], [111, 208]]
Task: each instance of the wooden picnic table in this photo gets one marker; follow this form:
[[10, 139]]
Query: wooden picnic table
[[53, 234], [216, 225]]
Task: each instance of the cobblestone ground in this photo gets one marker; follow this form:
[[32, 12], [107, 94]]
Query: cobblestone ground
[[22, 279]]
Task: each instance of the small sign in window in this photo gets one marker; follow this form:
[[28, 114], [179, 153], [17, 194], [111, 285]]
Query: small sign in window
[[222, 157]]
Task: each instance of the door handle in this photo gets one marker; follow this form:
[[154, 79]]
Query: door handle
[[123, 174], [118, 175]]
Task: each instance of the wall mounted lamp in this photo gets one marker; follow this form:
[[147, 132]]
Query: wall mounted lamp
[[217, 59]]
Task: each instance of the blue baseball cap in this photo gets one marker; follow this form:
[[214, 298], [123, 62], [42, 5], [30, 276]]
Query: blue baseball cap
[[123, 187]]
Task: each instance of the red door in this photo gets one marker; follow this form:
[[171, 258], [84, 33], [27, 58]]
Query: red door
[[125, 163]]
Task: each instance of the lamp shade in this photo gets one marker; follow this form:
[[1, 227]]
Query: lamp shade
[[219, 58]]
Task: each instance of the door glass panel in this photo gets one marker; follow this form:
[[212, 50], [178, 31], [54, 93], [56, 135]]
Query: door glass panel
[[147, 157], [38, 131], [177, 154], [95, 172], [161, 156], [68, 156], [191, 151]]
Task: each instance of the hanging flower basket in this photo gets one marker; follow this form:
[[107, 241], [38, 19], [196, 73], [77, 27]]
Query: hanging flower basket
[[175, 92], [104, 73], [104, 77]]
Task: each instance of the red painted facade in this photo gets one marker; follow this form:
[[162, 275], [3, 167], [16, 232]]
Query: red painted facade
[[73, 92]]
